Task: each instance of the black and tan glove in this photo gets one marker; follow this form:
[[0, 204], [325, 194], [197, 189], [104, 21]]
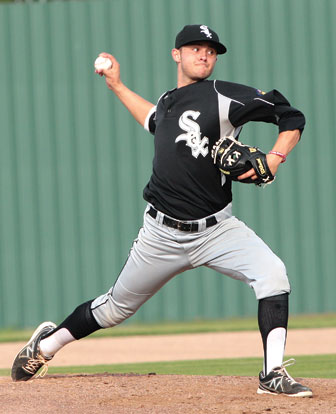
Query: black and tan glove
[[234, 159]]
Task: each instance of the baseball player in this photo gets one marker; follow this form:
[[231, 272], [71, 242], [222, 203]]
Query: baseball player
[[188, 220]]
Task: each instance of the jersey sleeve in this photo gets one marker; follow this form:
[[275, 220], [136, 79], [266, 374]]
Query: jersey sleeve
[[249, 104], [149, 124]]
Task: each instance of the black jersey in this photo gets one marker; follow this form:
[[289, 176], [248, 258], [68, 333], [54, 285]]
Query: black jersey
[[186, 123]]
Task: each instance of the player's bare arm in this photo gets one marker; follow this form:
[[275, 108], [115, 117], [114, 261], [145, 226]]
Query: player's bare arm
[[137, 106], [283, 146]]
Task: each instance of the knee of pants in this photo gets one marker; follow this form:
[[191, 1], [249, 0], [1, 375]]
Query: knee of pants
[[275, 281], [109, 313], [279, 270], [113, 308]]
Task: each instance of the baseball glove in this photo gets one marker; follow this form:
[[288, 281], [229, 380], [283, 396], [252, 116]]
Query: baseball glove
[[234, 159]]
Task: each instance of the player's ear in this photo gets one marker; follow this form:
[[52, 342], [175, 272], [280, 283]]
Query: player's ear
[[176, 54]]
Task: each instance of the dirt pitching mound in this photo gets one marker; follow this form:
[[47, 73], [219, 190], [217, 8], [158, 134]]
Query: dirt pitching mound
[[158, 394]]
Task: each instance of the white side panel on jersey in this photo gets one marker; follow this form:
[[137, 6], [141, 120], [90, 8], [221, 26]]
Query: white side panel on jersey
[[226, 128]]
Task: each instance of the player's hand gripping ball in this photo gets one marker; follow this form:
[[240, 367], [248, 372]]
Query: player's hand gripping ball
[[234, 159], [102, 63]]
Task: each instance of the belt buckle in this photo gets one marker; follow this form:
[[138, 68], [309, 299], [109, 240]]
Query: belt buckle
[[182, 226]]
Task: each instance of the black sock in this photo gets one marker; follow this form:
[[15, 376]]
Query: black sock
[[80, 323], [272, 313]]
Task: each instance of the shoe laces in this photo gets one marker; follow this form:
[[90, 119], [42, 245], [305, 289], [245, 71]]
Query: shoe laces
[[34, 364], [43, 371], [284, 372]]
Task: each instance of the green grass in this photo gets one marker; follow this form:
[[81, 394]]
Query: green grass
[[315, 366], [320, 366], [226, 325]]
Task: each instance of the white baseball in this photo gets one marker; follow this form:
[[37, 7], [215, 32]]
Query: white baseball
[[102, 63]]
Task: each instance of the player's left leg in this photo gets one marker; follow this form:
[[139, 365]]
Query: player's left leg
[[238, 252], [274, 379], [273, 321]]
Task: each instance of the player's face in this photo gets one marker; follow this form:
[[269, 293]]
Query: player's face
[[196, 62]]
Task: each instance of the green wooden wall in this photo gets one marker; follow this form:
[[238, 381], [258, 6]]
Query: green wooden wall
[[73, 162]]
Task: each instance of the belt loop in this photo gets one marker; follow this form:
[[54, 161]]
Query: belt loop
[[159, 217], [201, 225]]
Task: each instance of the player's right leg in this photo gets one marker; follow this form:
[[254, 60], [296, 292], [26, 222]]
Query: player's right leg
[[153, 260], [48, 339], [29, 359]]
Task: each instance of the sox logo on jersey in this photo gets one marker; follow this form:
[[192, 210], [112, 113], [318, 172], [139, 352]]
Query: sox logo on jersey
[[193, 134]]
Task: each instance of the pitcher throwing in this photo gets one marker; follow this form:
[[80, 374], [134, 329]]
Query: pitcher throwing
[[188, 220]]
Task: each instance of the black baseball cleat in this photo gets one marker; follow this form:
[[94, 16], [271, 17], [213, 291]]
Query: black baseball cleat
[[29, 360], [278, 381]]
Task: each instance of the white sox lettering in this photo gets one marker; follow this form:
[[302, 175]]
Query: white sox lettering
[[206, 31], [193, 134]]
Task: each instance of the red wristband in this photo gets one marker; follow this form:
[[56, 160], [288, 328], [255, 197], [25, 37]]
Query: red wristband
[[279, 154]]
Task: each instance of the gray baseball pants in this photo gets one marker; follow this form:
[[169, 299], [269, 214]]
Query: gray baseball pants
[[160, 253]]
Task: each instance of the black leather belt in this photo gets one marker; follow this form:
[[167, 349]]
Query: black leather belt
[[181, 225]]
